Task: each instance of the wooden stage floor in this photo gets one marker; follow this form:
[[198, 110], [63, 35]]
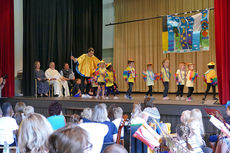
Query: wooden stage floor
[[170, 110]]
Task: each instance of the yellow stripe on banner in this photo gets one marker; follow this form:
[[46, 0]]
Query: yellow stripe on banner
[[165, 41]]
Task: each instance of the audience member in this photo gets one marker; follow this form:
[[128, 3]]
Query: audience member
[[111, 112], [42, 84], [33, 134], [19, 114], [118, 113], [197, 128], [100, 116], [8, 125], [0, 112], [72, 139], [75, 119], [115, 148], [185, 116], [56, 119], [28, 110], [68, 75], [57, 80], [183, 133], [136, 115], [86, 115]]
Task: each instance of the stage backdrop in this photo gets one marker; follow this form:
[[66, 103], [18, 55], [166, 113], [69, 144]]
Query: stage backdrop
[[143, 40], [7, 45], [54, 28]]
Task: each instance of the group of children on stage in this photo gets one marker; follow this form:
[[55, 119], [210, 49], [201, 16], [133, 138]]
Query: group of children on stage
[[104, 76]]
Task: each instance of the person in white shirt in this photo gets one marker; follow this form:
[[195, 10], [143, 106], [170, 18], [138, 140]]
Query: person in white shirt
[[8, 125], [57, 80], [118, 113]]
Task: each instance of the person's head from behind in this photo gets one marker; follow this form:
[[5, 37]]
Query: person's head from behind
[[34, 133], [111, 111], [0, 112], [183, 132], [78, 81], [91, 52], [19, 107], [7, 110], [28, 110], [150, 67], [131, 63], [75, 118], [37, 65], [118, 112], [52, 65], [55, 108], [72, 139], [87, 113], [165, 63], [196, 115], [136, 110], [100, 113], [115, 148], [148, 102], [185, 116], [66, 66]]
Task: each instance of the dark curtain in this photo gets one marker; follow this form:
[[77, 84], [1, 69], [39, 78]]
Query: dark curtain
[[222, 22], [7, 45], [53, 29]]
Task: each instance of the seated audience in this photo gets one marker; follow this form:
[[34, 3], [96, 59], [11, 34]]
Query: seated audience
[[68, 75], [57, 80], [75, 119], [155, 115], [118, 113], [76, 92], [33, 134], [185, 116], [42, 84], [19, 114], [56, 119], [8, 125], [72, 139], [86, 115], [183, 132], [28, 110], [100, 116], [115, 148]]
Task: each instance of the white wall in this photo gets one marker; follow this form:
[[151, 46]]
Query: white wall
[[18, 41], [108, 17]]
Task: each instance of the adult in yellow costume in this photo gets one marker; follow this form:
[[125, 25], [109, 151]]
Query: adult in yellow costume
[[86, 65]]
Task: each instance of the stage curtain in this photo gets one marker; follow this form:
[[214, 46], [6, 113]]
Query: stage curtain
[[7, 45], [222, 14], [55, 28], [143, 40]]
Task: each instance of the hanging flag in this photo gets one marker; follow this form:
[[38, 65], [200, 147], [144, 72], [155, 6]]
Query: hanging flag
[[185, 34]]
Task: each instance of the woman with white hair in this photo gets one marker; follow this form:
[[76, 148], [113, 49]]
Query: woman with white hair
[[100, 116], [34, 133], [86, 115], [185, 116]]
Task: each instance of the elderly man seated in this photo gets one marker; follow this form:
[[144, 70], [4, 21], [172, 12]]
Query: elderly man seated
[[57, 80]]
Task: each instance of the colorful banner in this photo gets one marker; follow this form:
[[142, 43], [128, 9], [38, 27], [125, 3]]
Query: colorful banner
[[186, 34]]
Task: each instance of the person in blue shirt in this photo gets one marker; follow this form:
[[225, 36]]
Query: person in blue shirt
[[56, 119], [100, 116]]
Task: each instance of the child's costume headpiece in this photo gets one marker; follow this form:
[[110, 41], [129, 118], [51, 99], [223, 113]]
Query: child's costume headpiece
[[108, 65], [130, 60], [102, 61], [211, 64]]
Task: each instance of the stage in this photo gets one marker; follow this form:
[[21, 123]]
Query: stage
[[170, 110]]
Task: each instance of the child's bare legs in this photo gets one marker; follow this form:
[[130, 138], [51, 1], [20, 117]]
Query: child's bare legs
[[98, 90], [103, 91]]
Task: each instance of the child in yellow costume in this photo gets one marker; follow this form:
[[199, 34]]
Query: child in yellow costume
[[110, 83], [211, 80], [180, 80], [86, 65], [165, 78], [129, 75], [191, 77], [101, 74]]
